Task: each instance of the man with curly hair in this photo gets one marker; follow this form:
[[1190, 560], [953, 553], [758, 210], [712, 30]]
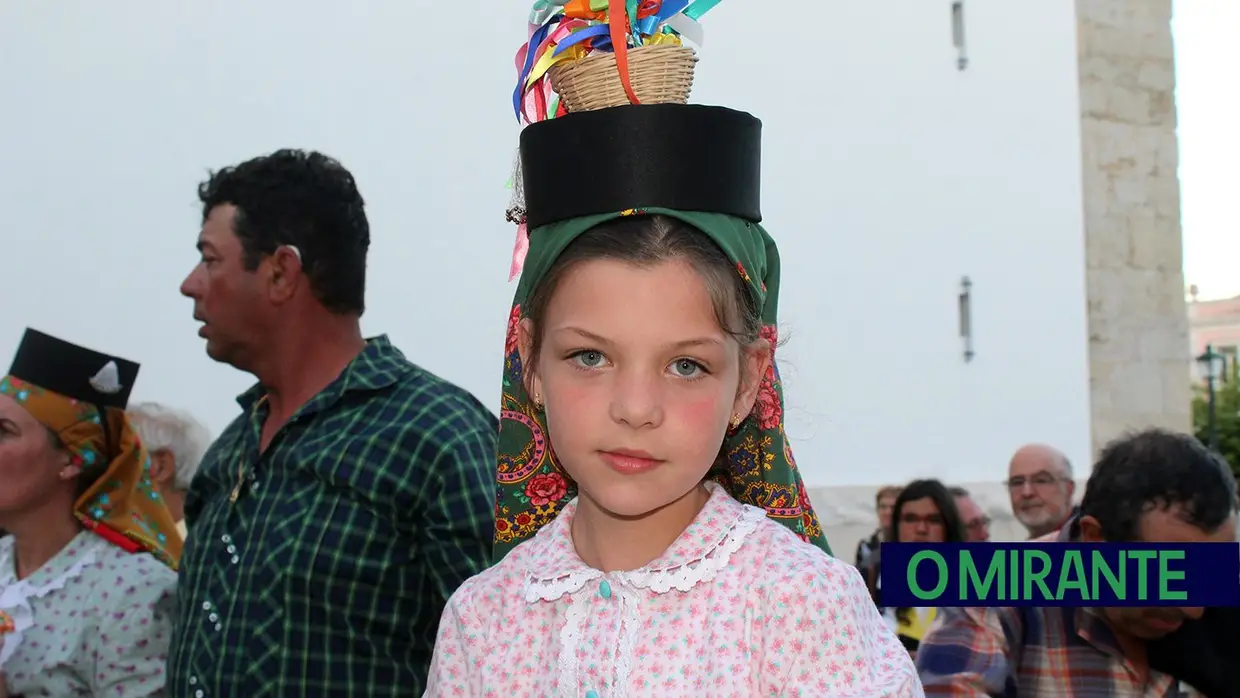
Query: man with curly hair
[[353, 494]]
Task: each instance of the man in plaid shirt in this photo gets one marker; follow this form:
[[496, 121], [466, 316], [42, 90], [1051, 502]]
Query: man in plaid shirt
[[1154, 486], [333, 519]]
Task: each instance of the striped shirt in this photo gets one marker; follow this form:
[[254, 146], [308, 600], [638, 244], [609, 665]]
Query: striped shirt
[[1033, 652], [328, 574]]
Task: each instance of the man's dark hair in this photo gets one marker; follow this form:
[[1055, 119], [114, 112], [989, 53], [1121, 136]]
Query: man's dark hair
[[958, 491], [306, 199], [1157, 469]]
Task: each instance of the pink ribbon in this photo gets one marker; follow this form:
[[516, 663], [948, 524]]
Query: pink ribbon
[[519, 251]]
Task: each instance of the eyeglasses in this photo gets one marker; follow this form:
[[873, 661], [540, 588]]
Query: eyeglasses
[[1039, 480], [914, 519], [975, 524]]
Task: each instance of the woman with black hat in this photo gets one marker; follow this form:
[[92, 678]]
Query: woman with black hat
[[88, 571]]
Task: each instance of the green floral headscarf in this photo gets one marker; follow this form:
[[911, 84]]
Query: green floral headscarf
[[755, 464]]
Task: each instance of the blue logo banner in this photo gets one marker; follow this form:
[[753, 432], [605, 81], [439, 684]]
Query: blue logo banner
[[1060, 574]]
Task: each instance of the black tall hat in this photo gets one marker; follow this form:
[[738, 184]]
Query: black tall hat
[[73, 371], [686, 157]]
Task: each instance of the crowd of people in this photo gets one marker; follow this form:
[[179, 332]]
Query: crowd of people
[[633, 523], [1152, 486]]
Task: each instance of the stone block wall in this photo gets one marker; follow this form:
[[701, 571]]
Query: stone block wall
[[1139, 350], [1138, 325]]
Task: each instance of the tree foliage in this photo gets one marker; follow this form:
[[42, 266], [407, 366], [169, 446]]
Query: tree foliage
[[1226, 415]]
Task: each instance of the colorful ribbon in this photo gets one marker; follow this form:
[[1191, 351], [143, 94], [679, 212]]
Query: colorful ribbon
[[567, 30]]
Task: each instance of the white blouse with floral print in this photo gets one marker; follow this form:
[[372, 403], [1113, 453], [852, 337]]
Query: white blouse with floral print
[[737, 606], [94, 621]]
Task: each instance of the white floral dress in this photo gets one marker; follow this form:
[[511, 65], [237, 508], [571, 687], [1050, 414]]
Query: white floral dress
[[94, 621], [738, 606]]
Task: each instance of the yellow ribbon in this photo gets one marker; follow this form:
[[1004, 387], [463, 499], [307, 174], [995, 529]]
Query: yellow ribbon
[[549, 59], [662, 39]]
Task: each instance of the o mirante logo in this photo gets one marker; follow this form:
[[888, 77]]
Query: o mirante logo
[[1060, 574]]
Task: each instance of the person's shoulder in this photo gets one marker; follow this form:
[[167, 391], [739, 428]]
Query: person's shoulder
[[784, 552], [497, 586], [422, 401], [784, 568], [125, 580]]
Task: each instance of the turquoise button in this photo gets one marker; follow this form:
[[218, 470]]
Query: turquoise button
[[604, 590], [592, 694]]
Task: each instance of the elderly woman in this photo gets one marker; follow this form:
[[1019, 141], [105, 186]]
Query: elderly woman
[[87, 572], [176, 442]]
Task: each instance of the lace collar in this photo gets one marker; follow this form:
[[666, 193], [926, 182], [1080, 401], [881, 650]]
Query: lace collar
[[18, 597], [704, 548]]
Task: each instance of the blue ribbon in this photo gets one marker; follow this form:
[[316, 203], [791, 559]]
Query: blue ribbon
[[699, 8], [535, 42], [582, 35]]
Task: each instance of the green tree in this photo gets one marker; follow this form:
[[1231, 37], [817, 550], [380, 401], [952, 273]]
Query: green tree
[[1226, 415]]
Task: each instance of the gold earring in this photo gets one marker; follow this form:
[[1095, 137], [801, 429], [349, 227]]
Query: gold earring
[[736, 421], [538, 400]]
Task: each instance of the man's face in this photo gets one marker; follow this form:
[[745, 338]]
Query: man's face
[[976, 523], [1040, 490], [1158, 526], [228, 300]]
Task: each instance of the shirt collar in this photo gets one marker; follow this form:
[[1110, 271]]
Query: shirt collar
[[378, 366], [553, 568]]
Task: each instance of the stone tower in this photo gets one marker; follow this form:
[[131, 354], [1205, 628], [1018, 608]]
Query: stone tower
[[1138, 325]]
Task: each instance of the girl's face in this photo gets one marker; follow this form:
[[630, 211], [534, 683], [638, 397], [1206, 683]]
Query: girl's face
[[638, 381]]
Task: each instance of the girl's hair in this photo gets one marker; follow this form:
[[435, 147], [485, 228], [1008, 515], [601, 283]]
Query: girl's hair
[[936, 491], [953, 526], [646, 241]]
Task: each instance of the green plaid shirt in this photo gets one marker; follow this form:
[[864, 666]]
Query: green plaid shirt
[[328, 574]]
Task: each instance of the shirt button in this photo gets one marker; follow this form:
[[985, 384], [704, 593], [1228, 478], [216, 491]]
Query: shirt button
[[604, 590], [592, 694]]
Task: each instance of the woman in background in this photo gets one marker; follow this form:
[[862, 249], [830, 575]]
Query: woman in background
[[87, 572], [924, 512]]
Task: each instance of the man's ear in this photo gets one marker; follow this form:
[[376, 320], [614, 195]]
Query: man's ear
[[755, 362], [1091, 530], [163, 468], [525, 348], [284, 273]]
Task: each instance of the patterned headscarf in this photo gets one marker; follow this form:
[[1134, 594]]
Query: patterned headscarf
[[121, 503], [755, 464]]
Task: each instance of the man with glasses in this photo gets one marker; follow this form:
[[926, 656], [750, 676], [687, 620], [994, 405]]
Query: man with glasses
[[1041, 487], [976, 523]]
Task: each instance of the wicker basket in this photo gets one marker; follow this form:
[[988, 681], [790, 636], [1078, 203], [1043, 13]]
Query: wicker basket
[[661, 74]]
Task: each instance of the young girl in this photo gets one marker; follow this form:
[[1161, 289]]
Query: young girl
[[666, 543]]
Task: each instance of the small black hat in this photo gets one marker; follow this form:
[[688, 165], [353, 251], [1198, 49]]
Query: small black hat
[[686, 157], [75, 372]]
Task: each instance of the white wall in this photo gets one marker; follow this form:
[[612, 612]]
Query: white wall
[[888, 176]]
